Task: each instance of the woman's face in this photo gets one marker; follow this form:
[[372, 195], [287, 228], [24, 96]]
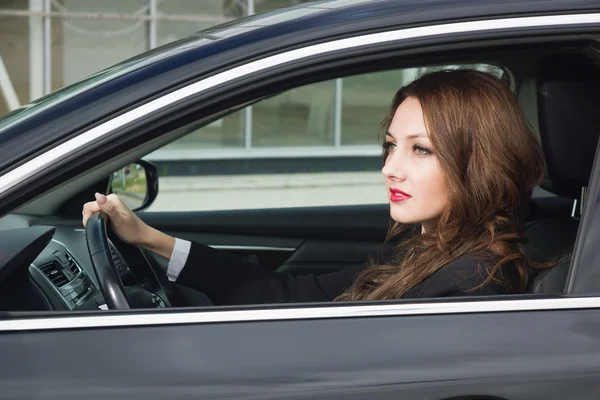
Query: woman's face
[[413, 178]]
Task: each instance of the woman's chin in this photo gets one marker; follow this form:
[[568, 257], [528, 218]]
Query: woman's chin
[[402, 218]]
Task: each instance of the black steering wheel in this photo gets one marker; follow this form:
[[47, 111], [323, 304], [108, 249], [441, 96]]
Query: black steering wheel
[[147, 292]]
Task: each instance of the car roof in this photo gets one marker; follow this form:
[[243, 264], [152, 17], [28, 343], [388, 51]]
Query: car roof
[[253, 36]]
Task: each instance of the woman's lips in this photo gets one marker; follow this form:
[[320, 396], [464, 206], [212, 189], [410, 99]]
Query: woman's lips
[[397, 196]]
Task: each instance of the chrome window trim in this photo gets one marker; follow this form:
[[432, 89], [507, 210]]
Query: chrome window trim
[[250, 248], [108, 319], [43, 161]]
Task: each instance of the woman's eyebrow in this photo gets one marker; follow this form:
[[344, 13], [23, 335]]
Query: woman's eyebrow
[[411, 136], [417, 135]]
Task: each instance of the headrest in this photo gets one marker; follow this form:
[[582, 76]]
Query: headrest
[[569, 122]]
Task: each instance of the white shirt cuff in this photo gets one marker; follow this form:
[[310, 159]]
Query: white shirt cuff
[[179, 256]]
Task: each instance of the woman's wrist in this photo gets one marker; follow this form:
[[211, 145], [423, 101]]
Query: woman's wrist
[[157, 242]]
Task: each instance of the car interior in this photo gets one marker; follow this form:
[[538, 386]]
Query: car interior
[[45, 262]]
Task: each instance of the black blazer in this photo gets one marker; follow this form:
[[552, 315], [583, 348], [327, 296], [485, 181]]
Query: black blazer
[[228, 280]]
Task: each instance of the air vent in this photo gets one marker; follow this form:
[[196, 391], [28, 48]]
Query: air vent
[[54, 272], [72, 265], [74, 269]]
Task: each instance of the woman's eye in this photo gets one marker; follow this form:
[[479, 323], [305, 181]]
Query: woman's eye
[[389, 146], [420, 150]]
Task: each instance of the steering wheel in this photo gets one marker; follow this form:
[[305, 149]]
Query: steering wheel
[[148, 293]]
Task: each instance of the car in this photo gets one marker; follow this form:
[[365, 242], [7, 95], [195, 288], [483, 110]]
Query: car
[[84, 315]]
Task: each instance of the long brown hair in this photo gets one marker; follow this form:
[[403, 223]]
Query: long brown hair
[[490, 159]]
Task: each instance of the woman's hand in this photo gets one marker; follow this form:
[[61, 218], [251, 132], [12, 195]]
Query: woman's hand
[[128, 226]]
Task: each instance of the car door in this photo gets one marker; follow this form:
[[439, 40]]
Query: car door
[[512, 349], [508, 348]]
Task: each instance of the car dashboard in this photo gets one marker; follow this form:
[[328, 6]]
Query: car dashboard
[[61, 277], [45, 258]]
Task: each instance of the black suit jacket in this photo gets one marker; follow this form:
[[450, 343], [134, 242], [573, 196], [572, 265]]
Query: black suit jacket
[[228, 280]]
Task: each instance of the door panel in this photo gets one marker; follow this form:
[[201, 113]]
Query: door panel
[[361, 222], [321, 256], [297, 241], [516, 356]]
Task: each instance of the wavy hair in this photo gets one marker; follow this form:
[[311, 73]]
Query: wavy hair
[[490, 159]]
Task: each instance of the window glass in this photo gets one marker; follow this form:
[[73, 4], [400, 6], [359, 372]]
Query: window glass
[[206, 14], [223, 133], [15, 84], [298, 117], [270, 5], [315, 145], [82, 47], [365, 101]]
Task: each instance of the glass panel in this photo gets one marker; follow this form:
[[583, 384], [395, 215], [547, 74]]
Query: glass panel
[[298, 117], [270, 5], [209, 13], [14, 50], [366, 98], [225, 132], [3, 106], [365, 101], [14, 5], [81, 47]]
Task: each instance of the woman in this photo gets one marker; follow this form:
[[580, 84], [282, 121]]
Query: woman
[[459, 157]]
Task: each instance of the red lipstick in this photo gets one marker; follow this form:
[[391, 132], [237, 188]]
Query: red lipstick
[[397, 195]]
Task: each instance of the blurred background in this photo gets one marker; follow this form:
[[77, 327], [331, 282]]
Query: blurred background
[[48, 44]]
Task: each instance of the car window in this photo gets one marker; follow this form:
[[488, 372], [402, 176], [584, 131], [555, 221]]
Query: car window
[[90, 82], [315, 145]]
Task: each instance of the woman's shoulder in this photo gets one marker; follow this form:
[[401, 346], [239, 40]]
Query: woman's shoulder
[[465, 276]]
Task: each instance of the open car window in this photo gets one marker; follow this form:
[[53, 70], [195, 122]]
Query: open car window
[[316, 145]]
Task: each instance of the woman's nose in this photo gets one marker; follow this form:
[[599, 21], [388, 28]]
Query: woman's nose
[[392, 168], [386, 170]]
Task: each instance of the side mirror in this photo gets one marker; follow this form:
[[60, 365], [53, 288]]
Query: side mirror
[[136, 184]]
